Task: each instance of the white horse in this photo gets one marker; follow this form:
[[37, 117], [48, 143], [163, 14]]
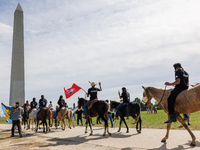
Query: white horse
[[32, 116]]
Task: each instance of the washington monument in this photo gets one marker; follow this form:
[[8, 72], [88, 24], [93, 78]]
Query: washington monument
[[17, 90]]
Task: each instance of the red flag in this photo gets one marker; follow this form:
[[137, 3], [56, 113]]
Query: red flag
[[69, 92]]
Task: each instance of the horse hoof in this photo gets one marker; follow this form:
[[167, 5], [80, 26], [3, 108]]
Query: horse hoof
[[91, 134], [109, 134], [193, 144], [139, 131], [118, 131], [104, 134], [163, 140], [127, 131]]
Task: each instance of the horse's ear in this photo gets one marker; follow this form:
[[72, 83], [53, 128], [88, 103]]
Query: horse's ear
[[78, 98], [143, 87]]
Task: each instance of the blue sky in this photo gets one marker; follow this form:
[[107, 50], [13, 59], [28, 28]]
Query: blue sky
[[118, 42]]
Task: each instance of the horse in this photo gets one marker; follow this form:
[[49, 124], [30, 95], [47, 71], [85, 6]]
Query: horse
[[61, 116], [69, 116], [188, 101], [32, 116], [25, 116], [131, 109], [43, 114], [98, 109]]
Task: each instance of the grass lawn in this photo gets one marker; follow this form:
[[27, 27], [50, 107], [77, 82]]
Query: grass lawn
[[148, 121]]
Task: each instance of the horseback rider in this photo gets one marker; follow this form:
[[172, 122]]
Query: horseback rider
[[42, 104], [126, 99], [50, 106], [92, 93], [33, 103], [181, 83], [61, 103]]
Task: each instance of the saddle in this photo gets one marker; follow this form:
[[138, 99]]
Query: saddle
[[91, 104]]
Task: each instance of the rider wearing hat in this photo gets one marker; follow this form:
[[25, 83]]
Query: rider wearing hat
[[126, 99], [181, 83], [92, 93]]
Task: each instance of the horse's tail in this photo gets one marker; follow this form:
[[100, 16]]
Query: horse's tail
[[45, 115], [104, 112], [138, 110]]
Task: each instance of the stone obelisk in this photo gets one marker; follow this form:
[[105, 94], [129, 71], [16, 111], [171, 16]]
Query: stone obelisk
[[17, 84]]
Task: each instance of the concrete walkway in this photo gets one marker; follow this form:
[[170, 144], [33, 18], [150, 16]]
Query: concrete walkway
[[149, 138]]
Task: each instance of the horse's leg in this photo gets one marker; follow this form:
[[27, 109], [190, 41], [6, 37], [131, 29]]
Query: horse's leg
[[57, 123], [167, 134], [120, 123], [63, 124], [69, 122], [91, 132], [36, 126], [127, 131], [140, 121], [180, 119], [49, 124], [86, 124], [106, 126]]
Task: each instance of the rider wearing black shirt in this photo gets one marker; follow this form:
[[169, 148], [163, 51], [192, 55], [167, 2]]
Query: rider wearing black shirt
[[33, 104], [181, 83]]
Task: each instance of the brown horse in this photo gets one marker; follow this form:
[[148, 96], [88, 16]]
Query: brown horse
[[43, 114], [69, 116], [99, 109], [188, 101], [61, 116]]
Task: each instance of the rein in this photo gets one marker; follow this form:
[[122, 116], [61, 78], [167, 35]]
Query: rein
[[162, 96]]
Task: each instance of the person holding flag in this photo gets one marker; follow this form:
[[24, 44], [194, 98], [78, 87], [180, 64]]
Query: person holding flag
[[92, 93], [15, 116]]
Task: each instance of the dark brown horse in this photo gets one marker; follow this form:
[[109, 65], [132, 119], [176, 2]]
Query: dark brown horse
[[43, 114], [99, 109], [25, 116], [130, 109]]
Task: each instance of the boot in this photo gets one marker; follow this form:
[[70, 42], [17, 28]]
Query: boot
[[172, 118]]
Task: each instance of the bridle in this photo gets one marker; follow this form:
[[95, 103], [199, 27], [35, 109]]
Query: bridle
[[162, 96]]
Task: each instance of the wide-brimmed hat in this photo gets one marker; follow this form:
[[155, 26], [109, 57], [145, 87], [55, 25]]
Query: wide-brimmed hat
[[92, 83]]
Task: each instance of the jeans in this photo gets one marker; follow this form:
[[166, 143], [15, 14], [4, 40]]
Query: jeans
[[118, 108], [110, 117], [56, 113], [79, 118], [16, 122], [85, 108], [172, 98]]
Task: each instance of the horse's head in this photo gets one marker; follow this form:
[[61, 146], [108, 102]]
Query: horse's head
[[113, 105], [81, 102], [146, 96]]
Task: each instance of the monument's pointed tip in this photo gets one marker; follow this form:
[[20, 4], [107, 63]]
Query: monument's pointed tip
[[19, 7]]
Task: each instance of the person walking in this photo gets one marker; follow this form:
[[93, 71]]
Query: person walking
[[181, 83], [16, 117], [110, 115], [79, 113]]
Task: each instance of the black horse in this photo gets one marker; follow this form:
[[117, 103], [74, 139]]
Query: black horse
[[130, 109], [25, 117], [98, 109]]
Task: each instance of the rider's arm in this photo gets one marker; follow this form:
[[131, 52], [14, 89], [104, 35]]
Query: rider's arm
[[174, 83], [100, 86]]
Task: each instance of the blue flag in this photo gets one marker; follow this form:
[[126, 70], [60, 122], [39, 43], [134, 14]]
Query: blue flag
[[6, 114]]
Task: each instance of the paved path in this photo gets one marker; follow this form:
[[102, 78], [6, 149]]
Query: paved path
[[148, 139]]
